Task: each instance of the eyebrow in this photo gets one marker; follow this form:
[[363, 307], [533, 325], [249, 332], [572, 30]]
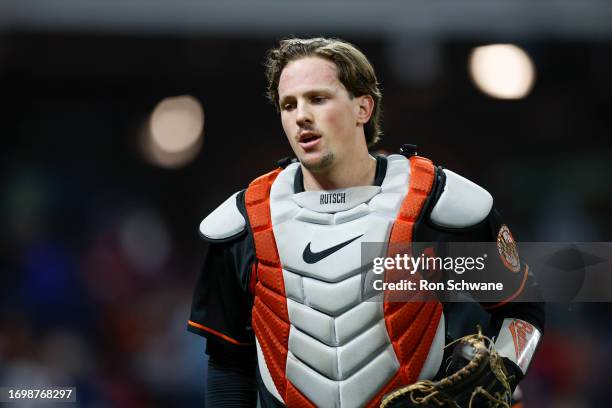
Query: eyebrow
[[327, 91]]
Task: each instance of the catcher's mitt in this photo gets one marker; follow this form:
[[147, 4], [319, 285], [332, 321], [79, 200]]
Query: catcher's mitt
[[479, 379]]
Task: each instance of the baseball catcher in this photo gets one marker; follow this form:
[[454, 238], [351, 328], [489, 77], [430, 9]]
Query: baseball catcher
[[281, 297]]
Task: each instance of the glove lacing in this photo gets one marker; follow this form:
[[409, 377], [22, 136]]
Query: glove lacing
[[432, 389]]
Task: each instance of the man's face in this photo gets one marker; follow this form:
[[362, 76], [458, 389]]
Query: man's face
[[319, 117]]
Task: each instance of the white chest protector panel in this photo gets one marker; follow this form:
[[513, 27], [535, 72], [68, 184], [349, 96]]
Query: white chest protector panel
[[340, 354]]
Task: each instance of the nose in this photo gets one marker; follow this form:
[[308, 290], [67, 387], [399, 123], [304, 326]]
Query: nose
[[304, 115]]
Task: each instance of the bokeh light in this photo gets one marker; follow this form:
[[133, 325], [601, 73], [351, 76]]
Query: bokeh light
[[174, 132], [503, 71]]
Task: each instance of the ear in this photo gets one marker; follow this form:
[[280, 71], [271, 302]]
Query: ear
[[364, 106]]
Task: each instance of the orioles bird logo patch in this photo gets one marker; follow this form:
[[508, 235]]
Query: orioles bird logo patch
[[506, 246]]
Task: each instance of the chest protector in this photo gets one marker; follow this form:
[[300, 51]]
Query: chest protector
[[319, 342]]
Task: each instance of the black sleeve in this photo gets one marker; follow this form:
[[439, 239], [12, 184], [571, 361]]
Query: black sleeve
[[532, 312], [221, 300], [487, 231], [221, 305]]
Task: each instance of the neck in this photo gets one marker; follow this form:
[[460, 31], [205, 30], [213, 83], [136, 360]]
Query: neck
[[355, 172]]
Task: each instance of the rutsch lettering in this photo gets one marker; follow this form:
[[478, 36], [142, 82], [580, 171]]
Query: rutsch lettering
[[333, 198]]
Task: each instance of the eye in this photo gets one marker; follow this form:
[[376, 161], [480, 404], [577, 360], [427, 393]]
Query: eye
[[288, 106], [318, 99]]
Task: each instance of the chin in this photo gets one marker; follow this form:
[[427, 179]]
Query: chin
[[319, 163]]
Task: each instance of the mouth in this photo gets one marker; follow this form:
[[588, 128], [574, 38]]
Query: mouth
[[308, 140]]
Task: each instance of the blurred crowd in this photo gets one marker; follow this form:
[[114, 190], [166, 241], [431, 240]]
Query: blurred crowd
[[101, 305]]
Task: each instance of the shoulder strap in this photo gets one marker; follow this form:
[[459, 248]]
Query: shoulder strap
[[257, 203], [422, 175]]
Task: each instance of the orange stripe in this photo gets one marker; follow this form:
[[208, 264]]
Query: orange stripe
[[269, 313], [515, 294], [216, 333]]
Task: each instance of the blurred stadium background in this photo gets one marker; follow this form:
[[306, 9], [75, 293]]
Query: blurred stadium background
[[124, 123]]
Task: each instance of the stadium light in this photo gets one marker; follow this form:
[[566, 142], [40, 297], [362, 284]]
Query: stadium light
[[502, 71], [174, 131]]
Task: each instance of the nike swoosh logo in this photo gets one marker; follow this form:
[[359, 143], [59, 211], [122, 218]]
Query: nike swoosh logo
[[314, 257]]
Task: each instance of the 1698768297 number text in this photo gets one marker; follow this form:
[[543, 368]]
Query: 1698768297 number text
[[65, 394]]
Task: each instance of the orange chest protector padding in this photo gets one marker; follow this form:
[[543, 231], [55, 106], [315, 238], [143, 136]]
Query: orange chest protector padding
[[411, 326]]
